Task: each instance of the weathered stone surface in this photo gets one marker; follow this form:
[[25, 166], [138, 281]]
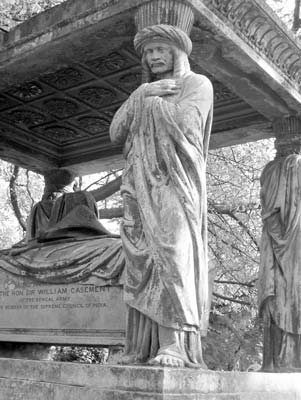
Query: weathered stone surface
[[61, 381], [280, 272], [165, 128], [62, 284], [60, 313], [56, 112]]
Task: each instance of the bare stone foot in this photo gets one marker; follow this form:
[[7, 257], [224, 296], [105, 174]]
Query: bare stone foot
[[170, 353], [165, 360]]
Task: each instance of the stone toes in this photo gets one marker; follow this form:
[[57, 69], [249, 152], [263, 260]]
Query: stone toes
[[181, 363], [168, 361], [155, 361]]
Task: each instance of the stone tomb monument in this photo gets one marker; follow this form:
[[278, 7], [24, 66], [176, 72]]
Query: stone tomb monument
[[256, 65], [63, 284]]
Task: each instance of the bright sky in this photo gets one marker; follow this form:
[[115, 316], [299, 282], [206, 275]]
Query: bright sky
[[288, 3], [284, 9]]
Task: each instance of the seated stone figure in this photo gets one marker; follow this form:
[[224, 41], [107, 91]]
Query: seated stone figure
[[65, 241]]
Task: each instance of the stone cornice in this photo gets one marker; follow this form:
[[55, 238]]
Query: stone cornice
[[255, 23], [252, 20], [64, 73]]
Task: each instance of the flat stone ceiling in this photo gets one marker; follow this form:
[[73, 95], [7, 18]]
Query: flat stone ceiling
[[64, 73]]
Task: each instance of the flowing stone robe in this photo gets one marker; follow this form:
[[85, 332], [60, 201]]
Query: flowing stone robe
[[66, 243], [164, 229], [280, 273]]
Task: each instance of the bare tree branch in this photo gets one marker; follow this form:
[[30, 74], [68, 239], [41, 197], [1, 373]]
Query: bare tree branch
[[14, 197], [242, 208], [28, 188], [247, 284], [239, 222], [296, 18], [234, 247], [104, 178], [109, 213], [107, 190], [245, 303], [80, 183]]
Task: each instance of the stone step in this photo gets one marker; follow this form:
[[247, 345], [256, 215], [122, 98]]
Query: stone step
[[39, 380], [13, 389]]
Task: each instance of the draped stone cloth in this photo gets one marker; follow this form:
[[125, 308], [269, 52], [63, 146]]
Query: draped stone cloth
[[66, 243], [280, 272], [164, 231]]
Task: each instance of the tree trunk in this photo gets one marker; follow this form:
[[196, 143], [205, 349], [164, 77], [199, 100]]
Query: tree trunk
[[296, 20], [14, 197], [109, 213], [107, 190]]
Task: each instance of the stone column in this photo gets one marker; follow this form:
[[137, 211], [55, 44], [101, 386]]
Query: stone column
[[280, 270]]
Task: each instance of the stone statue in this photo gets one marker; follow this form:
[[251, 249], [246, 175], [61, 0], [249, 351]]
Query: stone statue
[[65, 241], [280, 273], [165, 127]]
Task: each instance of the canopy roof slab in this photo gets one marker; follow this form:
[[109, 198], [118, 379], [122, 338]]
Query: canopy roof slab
[[64, 73]]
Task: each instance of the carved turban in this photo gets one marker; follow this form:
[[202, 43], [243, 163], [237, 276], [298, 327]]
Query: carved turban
[[166, 33]]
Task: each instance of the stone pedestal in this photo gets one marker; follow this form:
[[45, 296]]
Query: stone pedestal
[[73, 313], [37, 380]]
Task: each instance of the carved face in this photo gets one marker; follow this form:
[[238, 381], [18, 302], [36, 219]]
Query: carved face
[[159, 57]]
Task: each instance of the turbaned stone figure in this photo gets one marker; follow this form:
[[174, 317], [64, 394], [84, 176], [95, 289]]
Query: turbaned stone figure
[[280, 272], [164, 127]]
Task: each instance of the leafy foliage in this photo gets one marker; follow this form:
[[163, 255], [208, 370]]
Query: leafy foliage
[[285, 10], [28, 189], [234, 229], [234, 221], [13, 12], [81, 354]]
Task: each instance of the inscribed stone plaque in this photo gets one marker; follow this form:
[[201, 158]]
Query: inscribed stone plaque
[[76, 313]]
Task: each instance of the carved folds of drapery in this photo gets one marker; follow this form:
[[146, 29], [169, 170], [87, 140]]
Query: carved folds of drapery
[[280, 272]]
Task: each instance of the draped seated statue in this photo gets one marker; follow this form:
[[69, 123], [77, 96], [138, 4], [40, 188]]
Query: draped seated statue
[[65, 242]]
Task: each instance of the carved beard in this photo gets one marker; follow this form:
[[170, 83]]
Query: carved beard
[[181, 66]]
